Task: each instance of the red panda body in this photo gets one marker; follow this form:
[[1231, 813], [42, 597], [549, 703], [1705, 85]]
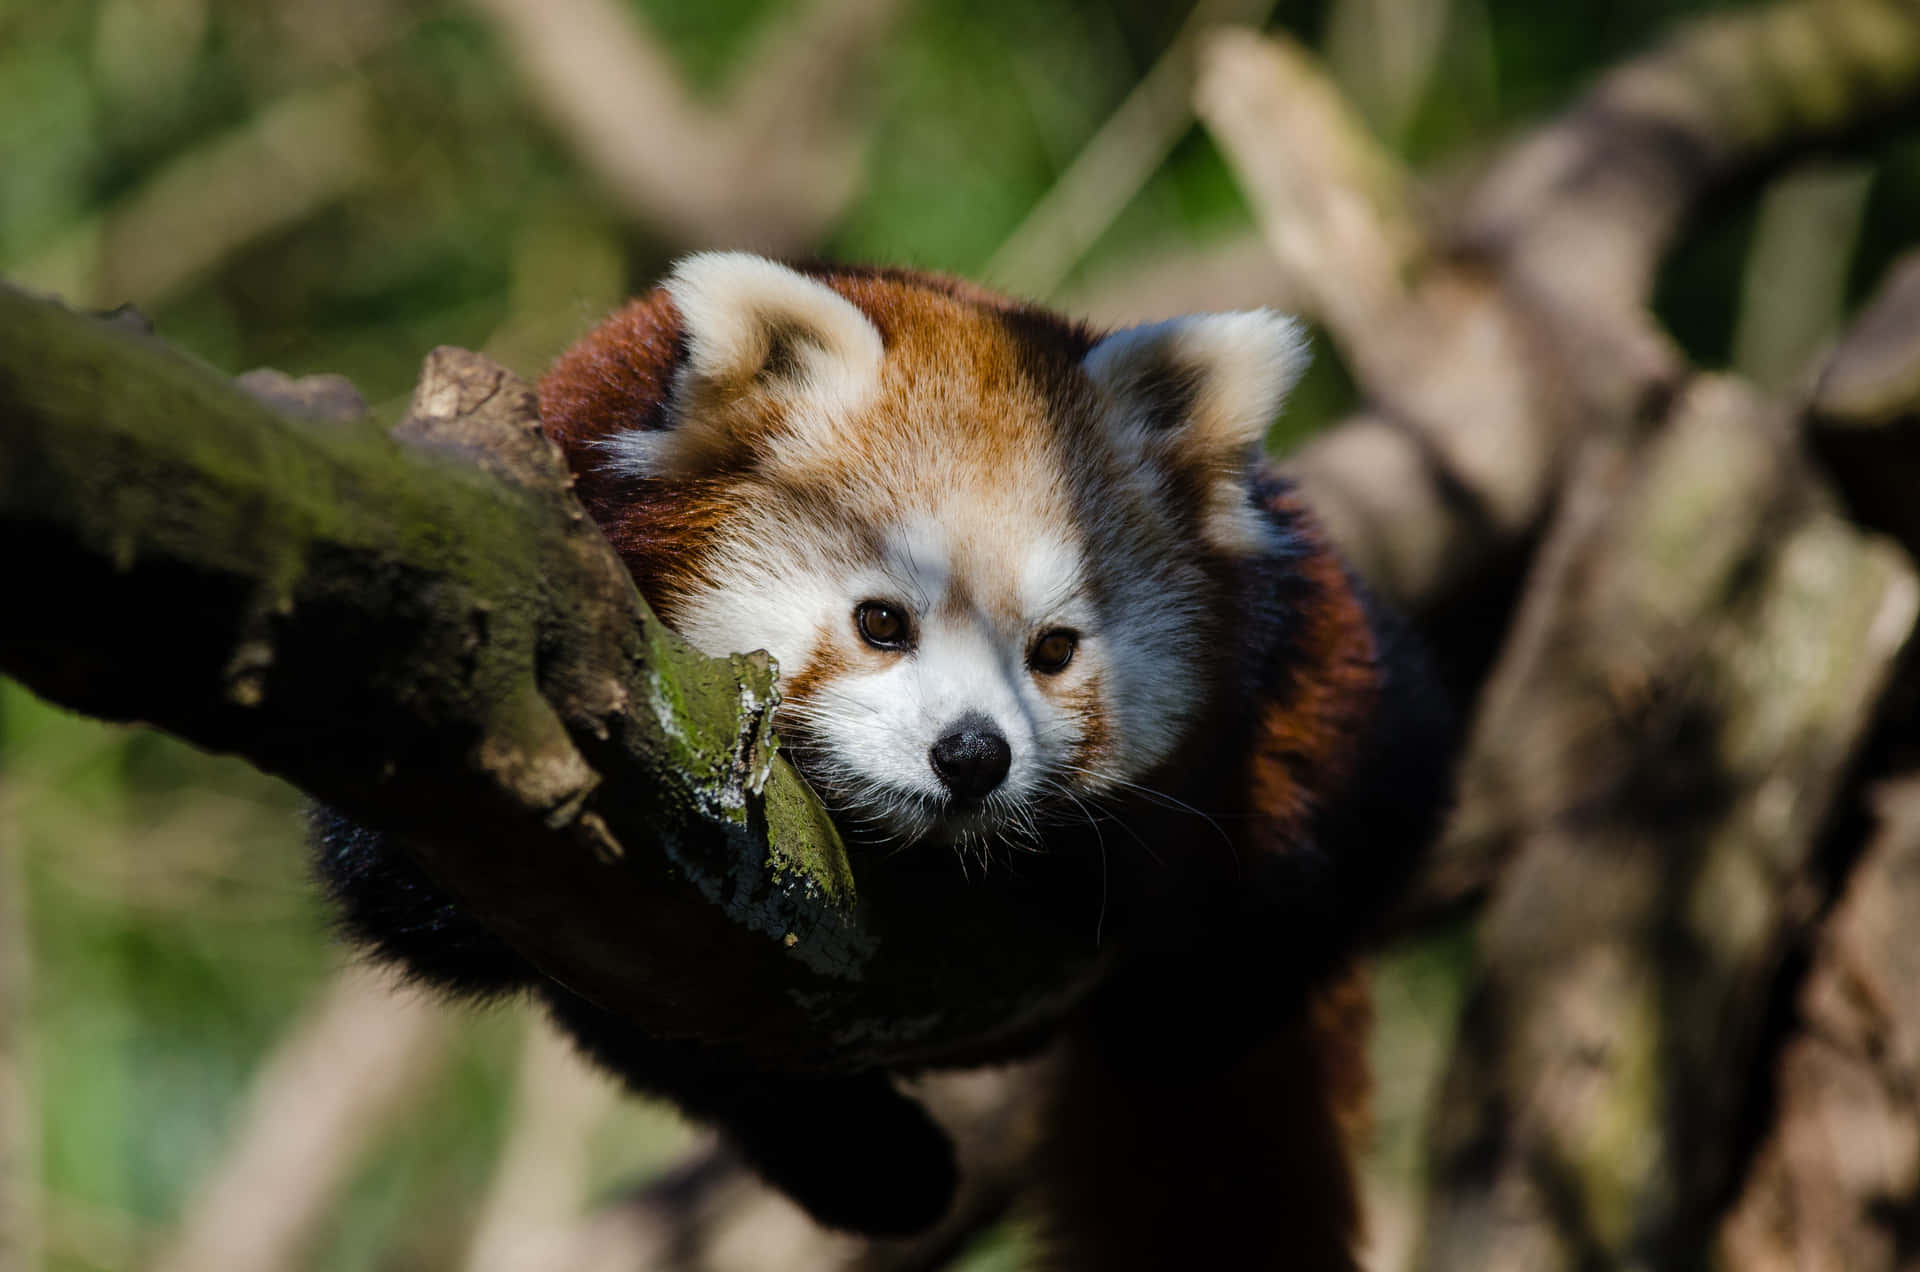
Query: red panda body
[[1042, 614]]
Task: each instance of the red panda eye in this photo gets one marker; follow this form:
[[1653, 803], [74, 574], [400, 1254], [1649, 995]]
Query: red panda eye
[[1053, 651], [882, 625]]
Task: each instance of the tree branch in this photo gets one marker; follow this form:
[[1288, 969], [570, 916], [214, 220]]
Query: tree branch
[[430, 634], [1586, 206], [1836, 1182], [1701, 653], [1490, 339]]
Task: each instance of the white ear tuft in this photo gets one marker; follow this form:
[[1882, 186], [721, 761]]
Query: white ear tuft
[[1195, 397], [744, 315], [1206, 386], [775, 363]]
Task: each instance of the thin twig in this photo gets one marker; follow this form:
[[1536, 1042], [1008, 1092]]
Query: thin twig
[[1334, 206]]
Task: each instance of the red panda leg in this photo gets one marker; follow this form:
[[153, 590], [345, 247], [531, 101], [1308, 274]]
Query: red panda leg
[[1246, 1168]]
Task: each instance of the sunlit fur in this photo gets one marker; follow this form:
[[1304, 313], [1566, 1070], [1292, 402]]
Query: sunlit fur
[[836, 440]]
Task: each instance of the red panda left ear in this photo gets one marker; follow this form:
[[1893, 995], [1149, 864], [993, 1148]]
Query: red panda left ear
[[771, 359], [1196, 396]]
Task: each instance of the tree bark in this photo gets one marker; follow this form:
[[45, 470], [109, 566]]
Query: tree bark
[[1489, 337], [426, 631], [1702, 651], [1836, 1186]]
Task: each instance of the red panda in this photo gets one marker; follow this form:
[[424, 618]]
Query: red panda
[[1039, 608]]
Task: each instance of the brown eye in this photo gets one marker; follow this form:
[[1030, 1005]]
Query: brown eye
[[1053, 651], [882, 625]]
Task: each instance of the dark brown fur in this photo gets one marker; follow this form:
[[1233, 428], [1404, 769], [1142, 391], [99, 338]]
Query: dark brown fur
[[1247, 1167]]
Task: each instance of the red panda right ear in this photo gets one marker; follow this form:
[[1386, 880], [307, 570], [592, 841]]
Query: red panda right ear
[[1205, 386], [771, 355], [1196, 396]]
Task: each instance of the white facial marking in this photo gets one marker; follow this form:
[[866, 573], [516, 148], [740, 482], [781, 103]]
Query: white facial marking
[[899, 713], [777, 586], [918, 564], [1051, 577], [784, 585]]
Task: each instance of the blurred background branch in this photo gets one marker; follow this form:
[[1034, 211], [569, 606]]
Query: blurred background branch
[[770, 165], [1838, 1177], [344, 1074], [540, 1184], [302, 154]]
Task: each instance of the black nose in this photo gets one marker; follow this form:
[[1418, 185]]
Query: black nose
[[973, 757]]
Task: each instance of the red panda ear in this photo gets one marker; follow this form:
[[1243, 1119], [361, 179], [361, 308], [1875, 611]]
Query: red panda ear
[[746, 317], [1202, 389], [769, 354], [1195, 396]]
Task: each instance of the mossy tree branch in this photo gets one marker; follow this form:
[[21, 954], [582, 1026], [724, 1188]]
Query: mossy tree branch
[[425, 630]]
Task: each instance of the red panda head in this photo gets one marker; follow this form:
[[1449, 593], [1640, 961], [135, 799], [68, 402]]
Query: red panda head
[[987, 547]]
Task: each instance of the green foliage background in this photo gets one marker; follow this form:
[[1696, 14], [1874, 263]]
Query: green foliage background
[[173, 934]]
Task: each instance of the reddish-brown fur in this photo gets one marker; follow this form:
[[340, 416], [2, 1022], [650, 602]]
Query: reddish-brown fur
[[1336, 692], [1241, 1169]]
